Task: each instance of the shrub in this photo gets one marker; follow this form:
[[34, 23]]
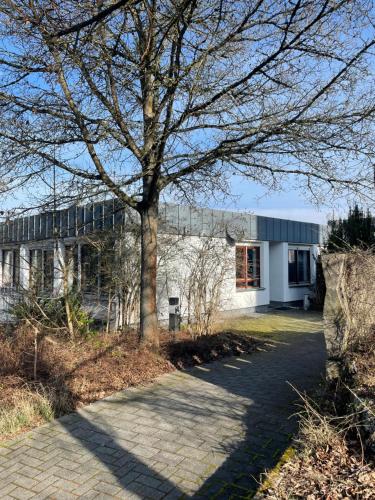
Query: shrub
[[52, 313]]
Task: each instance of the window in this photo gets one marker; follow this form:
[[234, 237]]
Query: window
[[36, 269], [299, 266], [48, 270], [248, 267], [16, 267], [10, 267], [71, 261], [89, 269]]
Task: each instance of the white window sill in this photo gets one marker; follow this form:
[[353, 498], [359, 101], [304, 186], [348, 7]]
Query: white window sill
[[249, 289]]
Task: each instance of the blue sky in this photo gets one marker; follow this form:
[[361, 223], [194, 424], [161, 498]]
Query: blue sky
[[290, 203]]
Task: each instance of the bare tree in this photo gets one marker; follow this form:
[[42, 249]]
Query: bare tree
[[159, 95]]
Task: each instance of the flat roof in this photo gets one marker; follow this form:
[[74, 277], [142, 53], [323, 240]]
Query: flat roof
[[80, 220]]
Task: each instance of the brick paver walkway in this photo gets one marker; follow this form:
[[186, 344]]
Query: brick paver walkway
[[203, 433]]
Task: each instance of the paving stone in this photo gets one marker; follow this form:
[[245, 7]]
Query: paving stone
[[65, 485], [129, 477], [166, 487], [189, 452], [32, 462], [190, 476], [145, 491], [66, 474], [7, 489], [22, 494], [25, 482], [41, 486], [106, 477], [194, 466], [109, 489], [145, 439], [144, 451], [168, 458], [85, 487], [187, 486], [37, 444], [46, 474], [64, 495], [175, 494], [29, 471], [89, 495], [149, 481], [204, 433]]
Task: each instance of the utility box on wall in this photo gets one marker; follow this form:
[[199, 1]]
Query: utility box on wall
[[174, 314]]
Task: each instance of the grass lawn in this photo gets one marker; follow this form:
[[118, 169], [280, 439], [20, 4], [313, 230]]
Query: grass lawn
[[275, 325]]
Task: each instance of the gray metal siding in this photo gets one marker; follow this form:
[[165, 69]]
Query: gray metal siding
[[174, 219]]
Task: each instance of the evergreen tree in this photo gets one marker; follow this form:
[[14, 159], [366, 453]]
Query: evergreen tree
[[356, 231]]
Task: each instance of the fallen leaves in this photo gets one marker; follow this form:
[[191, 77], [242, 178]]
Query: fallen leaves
[[334, 472]]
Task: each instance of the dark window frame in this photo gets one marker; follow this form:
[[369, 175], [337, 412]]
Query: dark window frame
[[249, 280], [297, 252]]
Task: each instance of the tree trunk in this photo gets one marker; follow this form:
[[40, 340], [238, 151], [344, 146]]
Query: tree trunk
[[148, 314]]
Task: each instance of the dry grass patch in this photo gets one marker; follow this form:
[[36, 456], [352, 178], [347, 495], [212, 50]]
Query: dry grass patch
[[328, 460], [24, 408]]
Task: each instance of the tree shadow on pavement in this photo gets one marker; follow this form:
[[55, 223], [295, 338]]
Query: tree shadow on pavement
[[270, 419], [208, 432]]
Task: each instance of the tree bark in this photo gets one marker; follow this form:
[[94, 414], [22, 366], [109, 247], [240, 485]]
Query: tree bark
[[148, 313]]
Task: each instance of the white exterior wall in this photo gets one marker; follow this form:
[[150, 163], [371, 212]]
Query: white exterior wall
[[280, 289], [175, 267], [278, 271]]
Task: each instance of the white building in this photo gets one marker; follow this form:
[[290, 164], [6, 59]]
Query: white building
[[268, 260]]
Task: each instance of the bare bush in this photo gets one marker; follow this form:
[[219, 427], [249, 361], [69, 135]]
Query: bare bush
[[208, 266]]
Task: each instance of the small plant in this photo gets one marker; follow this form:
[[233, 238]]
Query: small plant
[[61, 316], [51, 313]]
